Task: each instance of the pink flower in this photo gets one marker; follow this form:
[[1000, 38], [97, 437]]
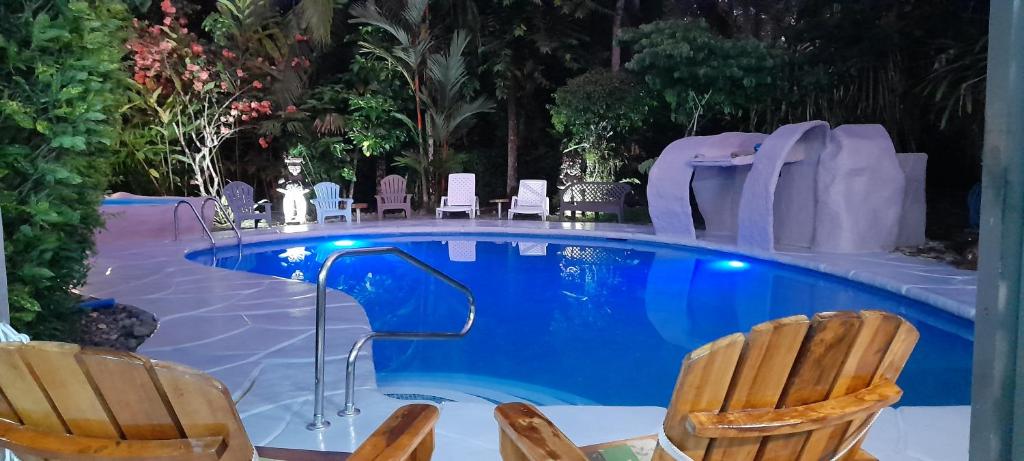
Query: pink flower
[[264, 143], [204, 75], [167, 8], [245, 118], [224, 130], [300, 38], [196, 49], [167, 21], [256, 84], [239, 72], [140, 78], [224, 86], [191, 67], [227, 53], [291, 109], [197, 85]]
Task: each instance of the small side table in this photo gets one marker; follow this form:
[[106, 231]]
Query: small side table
[[359, 207], [499, 201]]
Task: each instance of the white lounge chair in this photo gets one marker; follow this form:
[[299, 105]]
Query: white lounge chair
[[531, 199], [461, 196], [328, 202], [393, 197], [240, 199]]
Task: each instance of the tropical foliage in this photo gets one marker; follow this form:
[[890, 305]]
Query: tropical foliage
[[705, 76], [601, 113], [59, 120]]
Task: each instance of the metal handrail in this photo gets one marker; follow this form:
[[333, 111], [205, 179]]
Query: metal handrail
[[350, 409], [223, 211], [213, 244]]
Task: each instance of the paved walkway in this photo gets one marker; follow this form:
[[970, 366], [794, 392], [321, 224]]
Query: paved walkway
[[255, 333]]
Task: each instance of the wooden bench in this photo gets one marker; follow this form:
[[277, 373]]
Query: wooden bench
[[596, 197]]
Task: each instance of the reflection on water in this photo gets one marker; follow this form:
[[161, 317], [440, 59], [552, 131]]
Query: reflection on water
[[593, 321]]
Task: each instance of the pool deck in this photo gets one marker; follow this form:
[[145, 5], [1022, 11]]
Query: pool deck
[[255, 333]]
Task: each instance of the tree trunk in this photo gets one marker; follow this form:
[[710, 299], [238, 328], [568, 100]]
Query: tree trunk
[[513, 144], [620, 7], [382, 170]]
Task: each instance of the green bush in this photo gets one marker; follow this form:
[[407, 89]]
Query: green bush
[[60, 64], [702, 75], [600, 112]]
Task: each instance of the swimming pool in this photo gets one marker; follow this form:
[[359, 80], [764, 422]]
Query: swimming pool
[[140, 201], [584, 320]]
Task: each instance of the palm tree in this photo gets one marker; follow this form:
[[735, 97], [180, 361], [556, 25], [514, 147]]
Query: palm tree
[[408, 54], [449, 104]]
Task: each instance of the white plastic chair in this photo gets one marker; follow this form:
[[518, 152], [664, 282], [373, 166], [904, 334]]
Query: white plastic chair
[[240, 200], [461, 196], [328, 202], [531, 199]]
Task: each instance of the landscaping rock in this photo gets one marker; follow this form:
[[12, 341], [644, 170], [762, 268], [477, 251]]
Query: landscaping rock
[[120, 327]]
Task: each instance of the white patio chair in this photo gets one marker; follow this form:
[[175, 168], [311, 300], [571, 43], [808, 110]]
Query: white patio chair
[[328, 202], [461, 196], [531, 199], [240, 199], [393, 197]]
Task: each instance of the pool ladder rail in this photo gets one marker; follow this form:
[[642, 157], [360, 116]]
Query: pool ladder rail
[[206, 229], [319, 423]]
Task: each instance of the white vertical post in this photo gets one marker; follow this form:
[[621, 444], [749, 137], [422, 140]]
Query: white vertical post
[[5, 308]]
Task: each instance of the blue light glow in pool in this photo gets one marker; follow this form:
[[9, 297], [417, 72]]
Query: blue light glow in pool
[[589, 320]]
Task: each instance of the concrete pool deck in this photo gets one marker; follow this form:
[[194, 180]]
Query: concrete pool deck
[[255, 333]]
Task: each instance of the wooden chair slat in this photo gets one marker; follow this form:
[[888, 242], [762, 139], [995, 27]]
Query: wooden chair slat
[[7, 410], [873, 340], [125, 383], [828, 343], [84, 411], [32, 443], [26, 396], [892, 364], [760, 377], [525, 434], [204, 407], [407, 434], [702, 386]]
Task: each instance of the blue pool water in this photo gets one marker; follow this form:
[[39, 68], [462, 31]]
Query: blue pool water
[[589, 320], [140, 201]]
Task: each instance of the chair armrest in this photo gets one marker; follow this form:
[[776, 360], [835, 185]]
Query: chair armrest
[[33, 442], [514, 202], [408, 431], [758, 423], [444, 200], [266, 205], [528, 433], [348, 202]]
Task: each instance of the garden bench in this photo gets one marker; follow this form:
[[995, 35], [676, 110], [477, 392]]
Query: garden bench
[[597, 197]]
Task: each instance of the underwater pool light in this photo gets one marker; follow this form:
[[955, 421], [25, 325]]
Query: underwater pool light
[[345, 243], [730, 265]]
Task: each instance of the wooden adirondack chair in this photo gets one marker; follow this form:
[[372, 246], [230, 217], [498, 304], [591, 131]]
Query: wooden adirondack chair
[[790, 390], [240, 200], [328, 202], [63, 402], [393, 197]]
